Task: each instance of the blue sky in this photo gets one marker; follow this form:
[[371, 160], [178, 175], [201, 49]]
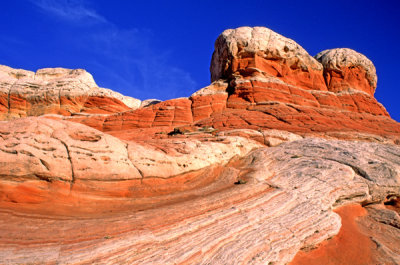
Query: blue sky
[[162, 49]]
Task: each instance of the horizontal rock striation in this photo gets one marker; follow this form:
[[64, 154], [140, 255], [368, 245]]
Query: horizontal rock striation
[[262, 80]]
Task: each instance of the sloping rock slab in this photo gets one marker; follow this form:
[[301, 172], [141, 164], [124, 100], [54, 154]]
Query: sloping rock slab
[[282, 202]]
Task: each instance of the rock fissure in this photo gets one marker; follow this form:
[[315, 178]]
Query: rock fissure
[[136, 167], [9, 97], [69, 158], [358, 170]]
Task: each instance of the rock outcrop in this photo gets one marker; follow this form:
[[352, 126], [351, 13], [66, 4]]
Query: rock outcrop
[[282, 158], [247, 51], [56, 90], [43, 160], [282, 203], [347, 70], [262, 80]]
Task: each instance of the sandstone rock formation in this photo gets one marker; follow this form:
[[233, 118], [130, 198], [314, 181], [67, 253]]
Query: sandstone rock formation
[[284, 205], [43, 158], [263, 80], [247, 51], [56, 90], [282, 158], [346, 69]]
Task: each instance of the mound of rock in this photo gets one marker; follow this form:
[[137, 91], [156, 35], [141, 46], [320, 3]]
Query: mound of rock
[[347, 70], [43, 160], [250, 51], [262, 80], [56, 90]]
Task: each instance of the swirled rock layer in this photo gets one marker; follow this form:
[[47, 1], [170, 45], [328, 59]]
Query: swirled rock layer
[[282, 203], [248, 170]]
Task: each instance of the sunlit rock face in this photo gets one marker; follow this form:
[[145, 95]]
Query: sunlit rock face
[[262, 80], [263, 207], [248, 51], [347, 70], [282, 158], [58, 91]]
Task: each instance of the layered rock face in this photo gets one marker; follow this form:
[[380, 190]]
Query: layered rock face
[[262, 80], [44, 160], [282, 158], [281, 86], [346, 70], [283, 204], [247, 51], [56, 90]]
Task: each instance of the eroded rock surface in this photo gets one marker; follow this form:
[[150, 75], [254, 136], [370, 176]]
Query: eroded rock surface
[[247, 170], [346, 69], [247, 50], [43, 158], [284, 204], [262, 80], [56, 90]]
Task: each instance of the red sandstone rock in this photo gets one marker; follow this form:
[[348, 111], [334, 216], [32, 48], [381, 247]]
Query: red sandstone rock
[[209, 100], [56, 90], [346, 69], [249, 95], [189, 180], [247, 51], [283, 204], [367, 236], [44, 160]]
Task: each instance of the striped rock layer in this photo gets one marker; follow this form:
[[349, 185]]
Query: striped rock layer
[[282, 158], [262, 80], [204, 201]]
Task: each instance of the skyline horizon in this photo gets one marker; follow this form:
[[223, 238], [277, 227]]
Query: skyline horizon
[[151, 56]]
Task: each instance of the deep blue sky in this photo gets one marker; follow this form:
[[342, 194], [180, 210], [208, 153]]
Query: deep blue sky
[[162, 49]]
